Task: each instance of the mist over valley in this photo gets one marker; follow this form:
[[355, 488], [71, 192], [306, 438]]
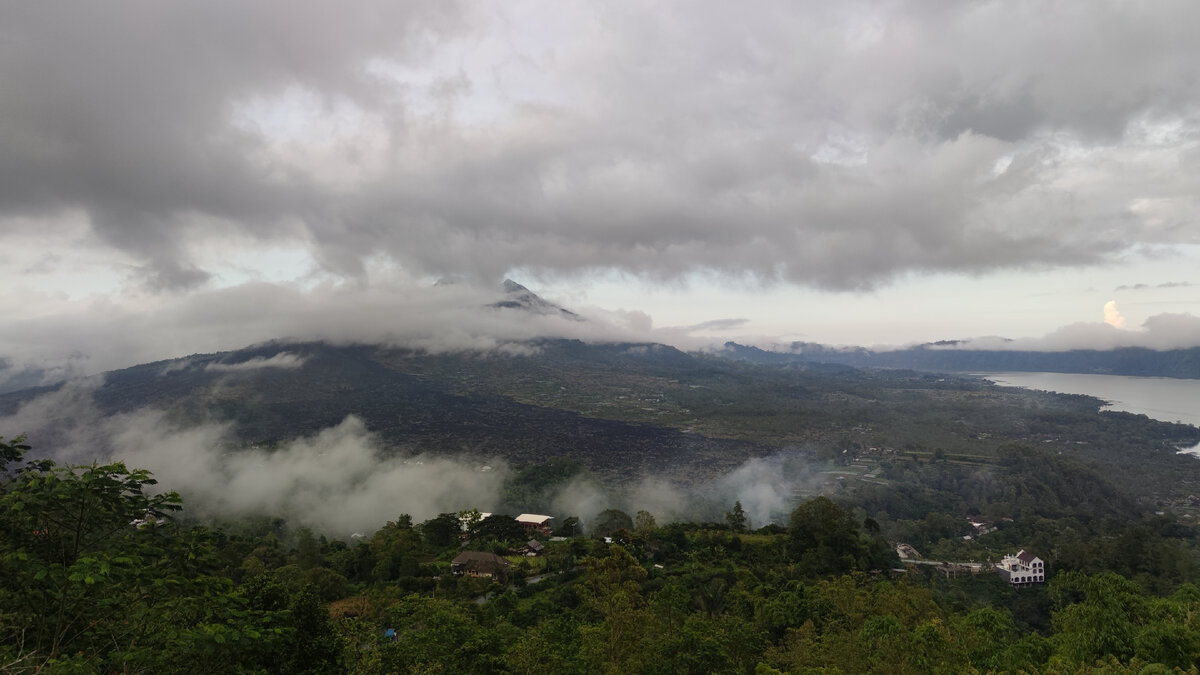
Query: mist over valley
[[341, 438]]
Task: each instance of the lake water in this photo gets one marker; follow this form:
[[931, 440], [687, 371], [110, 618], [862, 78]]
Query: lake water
[[1161, 398]]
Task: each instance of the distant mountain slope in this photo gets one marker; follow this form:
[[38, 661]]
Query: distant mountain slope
[[625, 411], [515, 301], [1183, 363], [412, 400]]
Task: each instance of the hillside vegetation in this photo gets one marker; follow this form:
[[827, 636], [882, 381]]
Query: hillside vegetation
[[98, 577]]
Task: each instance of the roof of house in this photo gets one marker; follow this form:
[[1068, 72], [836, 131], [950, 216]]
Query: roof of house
[[479, 561], [535, 545], [533, 518], [1026, 557]]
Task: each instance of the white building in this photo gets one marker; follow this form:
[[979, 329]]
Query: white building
[[1022, 568]]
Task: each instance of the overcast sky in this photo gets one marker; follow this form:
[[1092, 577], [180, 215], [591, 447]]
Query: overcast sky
[[197, 175]]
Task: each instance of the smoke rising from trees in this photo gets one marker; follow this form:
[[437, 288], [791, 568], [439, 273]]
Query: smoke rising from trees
[[343, 479]]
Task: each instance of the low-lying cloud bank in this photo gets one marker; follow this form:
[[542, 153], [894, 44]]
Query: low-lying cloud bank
[[339, 481], [73, 339], [344, 480], [767, 487], [282, 360], [1159, 332]]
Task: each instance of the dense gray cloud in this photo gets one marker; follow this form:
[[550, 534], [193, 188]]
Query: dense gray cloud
[[832, 144], [125, 112]]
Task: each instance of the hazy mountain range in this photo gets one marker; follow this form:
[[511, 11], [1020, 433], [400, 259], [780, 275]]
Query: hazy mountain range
[[948, 356], [617, 408]]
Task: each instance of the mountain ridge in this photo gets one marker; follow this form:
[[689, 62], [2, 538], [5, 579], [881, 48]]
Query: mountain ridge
[[939, 357]]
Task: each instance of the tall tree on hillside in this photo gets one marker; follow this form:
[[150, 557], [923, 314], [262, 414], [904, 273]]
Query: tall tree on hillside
[[613, 590], [609, 521], [737, 517], [644, 522], [442, 531], [501, 528], [824, 538]]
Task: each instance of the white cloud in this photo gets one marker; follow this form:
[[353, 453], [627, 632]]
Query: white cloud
[[339, 481], [283, 360], [1112, 316]]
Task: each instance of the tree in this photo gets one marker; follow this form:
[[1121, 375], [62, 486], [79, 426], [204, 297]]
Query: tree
[[308, 550], [394, 548], [609, 521], [62, 531], [824, 538], [94, 577], [500, 528], [710, 597], [302, 638], [1105, 622], [737, 517], [437, 636], [442, 531], [327, 584], [316, 648], [570, 527], [696, 647], [613, 590], [469, 519], [644, 522], [11, 451]]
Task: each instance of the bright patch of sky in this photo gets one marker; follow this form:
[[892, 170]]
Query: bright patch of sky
[[57, 257], [1012, 304]]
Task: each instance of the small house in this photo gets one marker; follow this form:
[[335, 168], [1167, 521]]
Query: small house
[[535, 523], [479, 564], [533, 549]]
